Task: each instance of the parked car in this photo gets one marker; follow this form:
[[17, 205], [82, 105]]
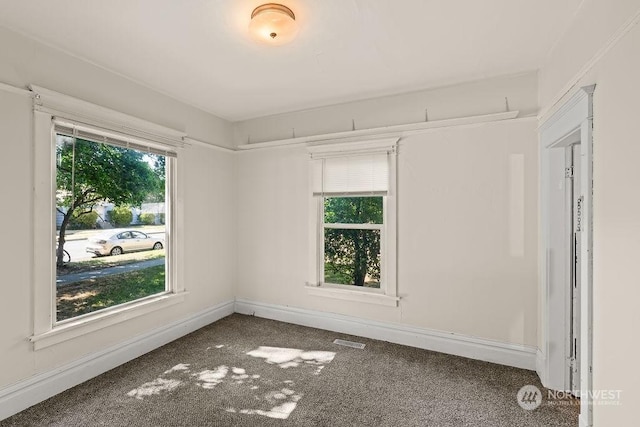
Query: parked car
[[116, 242]]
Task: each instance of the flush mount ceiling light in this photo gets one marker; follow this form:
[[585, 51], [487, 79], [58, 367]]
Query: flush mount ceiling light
[[273, 24]]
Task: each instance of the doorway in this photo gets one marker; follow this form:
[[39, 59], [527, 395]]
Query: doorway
[[566, 186]]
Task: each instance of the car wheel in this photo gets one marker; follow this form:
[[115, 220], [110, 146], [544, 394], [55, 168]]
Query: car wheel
[[157, 245], [116, 251]]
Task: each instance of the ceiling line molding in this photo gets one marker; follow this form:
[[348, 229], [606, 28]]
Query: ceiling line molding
[[84, 112], [5, 87], [209, 145], [390, 131], [14, 89]]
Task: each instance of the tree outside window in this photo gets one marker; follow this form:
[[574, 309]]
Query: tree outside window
[[352, 228]]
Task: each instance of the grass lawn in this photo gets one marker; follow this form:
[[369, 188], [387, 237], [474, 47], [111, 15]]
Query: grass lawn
[[95, 294], [332, 275], [108, 261]]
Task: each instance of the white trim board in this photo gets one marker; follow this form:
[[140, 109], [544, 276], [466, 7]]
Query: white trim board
[[571, 123], [384, 131], [24, 394], [14, 89], [86, 113], [5, 87], [515, 355], [210, 145], [541, 361]]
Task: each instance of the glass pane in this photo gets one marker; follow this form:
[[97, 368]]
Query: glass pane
[[352, 257], [104, 194], [353, 210]]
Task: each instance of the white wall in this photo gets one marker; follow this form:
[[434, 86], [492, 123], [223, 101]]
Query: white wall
[[467, 230], [208, 200], [597, 49]]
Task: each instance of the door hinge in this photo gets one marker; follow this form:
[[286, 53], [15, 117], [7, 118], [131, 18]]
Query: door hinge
[[568, 172]]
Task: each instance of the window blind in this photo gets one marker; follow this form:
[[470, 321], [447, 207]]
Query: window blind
[[359, 174], [66, 128]]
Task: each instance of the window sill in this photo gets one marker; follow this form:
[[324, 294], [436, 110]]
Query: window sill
[[74, 328], [352, 295]]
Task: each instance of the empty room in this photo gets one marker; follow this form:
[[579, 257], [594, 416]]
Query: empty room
[[319, 213]]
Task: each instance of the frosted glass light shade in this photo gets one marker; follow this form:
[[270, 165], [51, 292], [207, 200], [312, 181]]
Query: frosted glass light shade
[[273, 24]]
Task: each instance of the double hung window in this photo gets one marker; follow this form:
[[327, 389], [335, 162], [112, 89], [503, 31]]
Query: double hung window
[[105, 184], [353, 202], [105, 247]]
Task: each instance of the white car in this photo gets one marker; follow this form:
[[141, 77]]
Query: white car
[[116, 242]]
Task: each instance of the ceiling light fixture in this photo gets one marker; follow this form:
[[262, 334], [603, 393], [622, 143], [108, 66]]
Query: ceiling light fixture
[[273, 23]]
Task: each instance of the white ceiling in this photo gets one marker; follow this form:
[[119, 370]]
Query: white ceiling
[[198, 51]]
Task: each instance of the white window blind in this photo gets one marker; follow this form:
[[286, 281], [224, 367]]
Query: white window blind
[[352, 169], [72, 129], [361, 174]]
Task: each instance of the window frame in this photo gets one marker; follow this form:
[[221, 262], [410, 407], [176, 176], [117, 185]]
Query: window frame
[[387, 293], [50, 106]]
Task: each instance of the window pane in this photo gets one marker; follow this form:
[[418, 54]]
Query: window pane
[[352, 257], [104, 193], [353, 210]]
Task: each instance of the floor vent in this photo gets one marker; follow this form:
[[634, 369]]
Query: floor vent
[[349, 344]]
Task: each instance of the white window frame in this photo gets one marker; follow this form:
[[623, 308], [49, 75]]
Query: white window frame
[[387, 294], [50, 106]]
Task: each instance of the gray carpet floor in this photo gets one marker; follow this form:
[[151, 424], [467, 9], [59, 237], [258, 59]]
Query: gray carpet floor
[[247, 371]]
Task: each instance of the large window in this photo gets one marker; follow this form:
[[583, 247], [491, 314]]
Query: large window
[[354, 199], [111, 228], [104, 215]]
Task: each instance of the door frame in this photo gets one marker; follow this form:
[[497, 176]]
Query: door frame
[[570, 124]]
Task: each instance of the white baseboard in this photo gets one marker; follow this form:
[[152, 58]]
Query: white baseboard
[[515, 355], [24, 394], [541, 370]]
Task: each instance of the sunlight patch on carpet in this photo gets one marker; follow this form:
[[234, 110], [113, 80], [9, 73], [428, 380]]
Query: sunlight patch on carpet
[[281, 411], [178, 367], [285, 401], [211, 378], [156, 386], [269, 400], [292, 357]]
